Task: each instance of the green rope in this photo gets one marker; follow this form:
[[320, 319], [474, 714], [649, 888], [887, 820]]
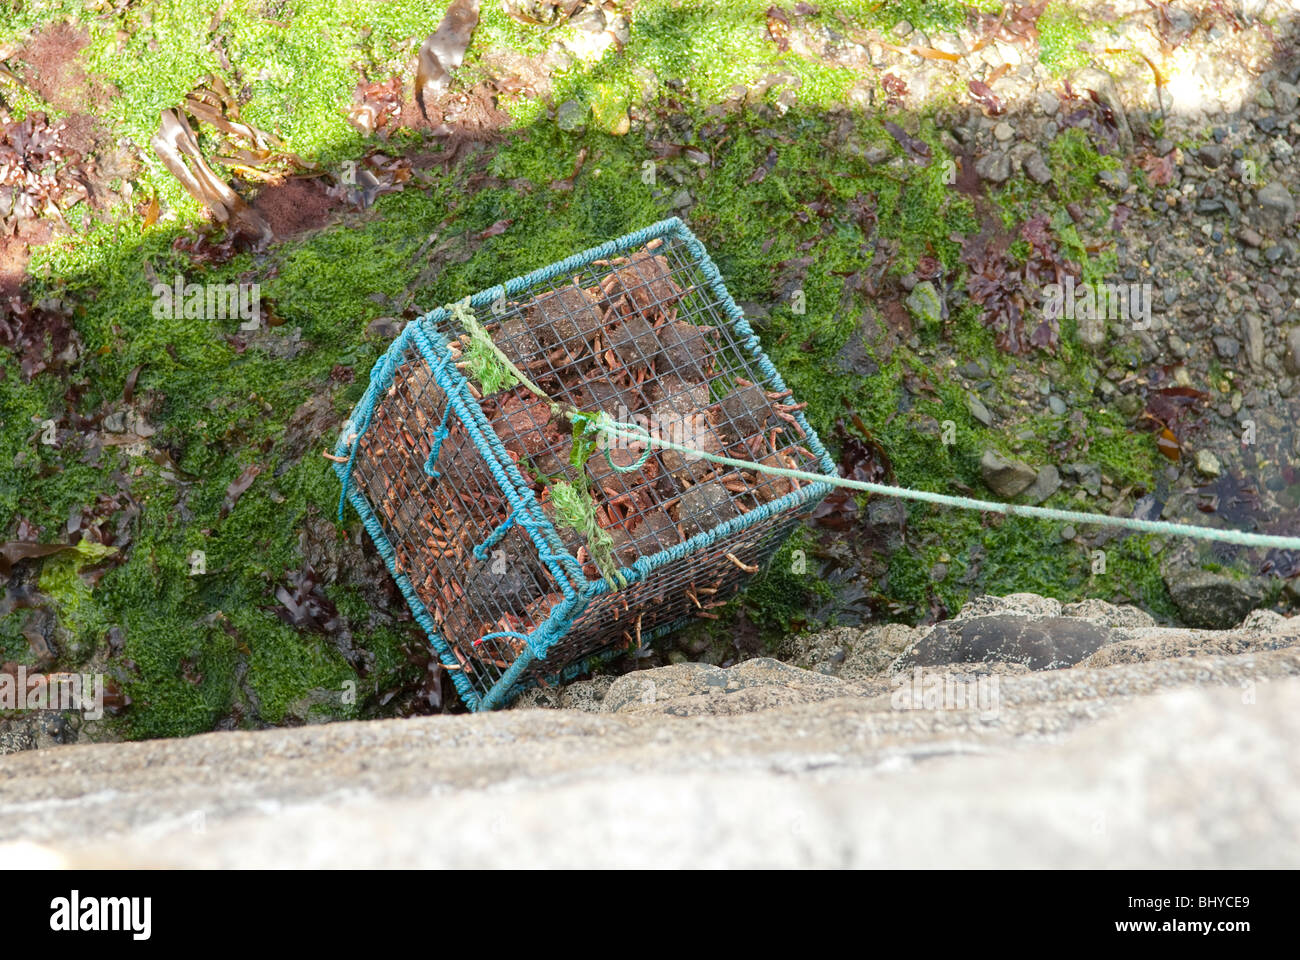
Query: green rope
[[610, 427], [604, 423], [574, 508], [492, 369]]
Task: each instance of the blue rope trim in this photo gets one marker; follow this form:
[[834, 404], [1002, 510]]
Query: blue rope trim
[[439, 435], [495, 537]]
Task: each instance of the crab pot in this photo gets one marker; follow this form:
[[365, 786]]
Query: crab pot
[[454, 485]]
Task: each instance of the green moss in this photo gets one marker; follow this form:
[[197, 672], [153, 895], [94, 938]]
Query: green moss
[[1061, 32]]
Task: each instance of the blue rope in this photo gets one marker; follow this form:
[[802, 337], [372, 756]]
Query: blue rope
[[380, 374], [495, 537], [439, 435]]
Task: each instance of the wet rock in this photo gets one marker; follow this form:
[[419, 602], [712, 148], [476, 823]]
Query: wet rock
[[977, 409], [1116, 181], [695, 689], [1207, 464], [852, 653], [888, 517], [1040, 644], [1276, 208], [924, 304], [1036, 168], [1212, 600], [994, 167], [1088, 476], [1011, 605], [1252, 334], [1286, 97], [1045, 484], [1212, 155], [1226, 347], [1292, 356], [1004, 477], [571, 116]]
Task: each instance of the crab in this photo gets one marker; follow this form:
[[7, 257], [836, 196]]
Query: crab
[[525, 425], [687, 350], [567, 317], [519, 341], [749, 409], [679, 419], [703, 507], [645, 278]]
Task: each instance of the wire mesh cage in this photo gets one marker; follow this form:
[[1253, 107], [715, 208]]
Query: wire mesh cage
[[454, 479]]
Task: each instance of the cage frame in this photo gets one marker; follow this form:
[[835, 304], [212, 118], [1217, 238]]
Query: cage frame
[[578, 592]]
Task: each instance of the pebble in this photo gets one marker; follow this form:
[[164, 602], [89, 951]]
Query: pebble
[[994, 167], [1003, 131], [1036, 168], [1207, 464]]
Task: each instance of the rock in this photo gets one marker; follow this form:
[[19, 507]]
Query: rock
[[1004, 477], [1148, 645], [1226, 347], [852, 653], [1039, 643], [571, 116], [1103, 84], [1212, 600], [1011, 605], [977, 409], [1106, 614], [695, 689], [1048, 102], [1036, 168], [1286, 97], [924, 304], [1276, 208], [1207, 464], [1162, 748], [1252, 334], [1249, 236], [887, 518], [1115, 181], [1292, 357], [994, 167], [1003, 132], [1045, 484], [1056, 405], [1088, 475], [1212, 155]]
